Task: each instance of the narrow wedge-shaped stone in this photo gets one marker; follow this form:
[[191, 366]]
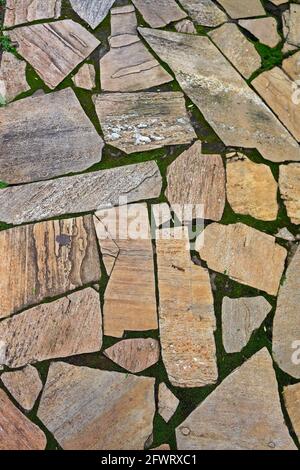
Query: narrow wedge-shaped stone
[[85, 77], [289, 185], [243, 8], [291, 395], [204, 12], [24, 11], [159, 13], [24, 385], [167, 402], [92, 11], [292, 23], [12, 77], [134, 355]]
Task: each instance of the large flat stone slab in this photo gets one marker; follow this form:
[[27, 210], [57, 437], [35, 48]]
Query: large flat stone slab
[[289, 185], [245, 254], [136, 122], [215, 87], [159, 13], [89, 409], [24, 11], [243, 8], [24, 385], [92, 11], [54, 49], [264, 29], [134, 355], [204, 12], [12, 77], [46, 136], [46, 199], [291, 395], [186, 312], [243, 413], [45, 260]]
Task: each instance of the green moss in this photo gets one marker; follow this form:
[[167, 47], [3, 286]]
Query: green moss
[[270, 57]]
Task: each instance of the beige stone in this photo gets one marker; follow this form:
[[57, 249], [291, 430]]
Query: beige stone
[[85, 77], [291, 395], [185, 26], [161, 214], [65, 45], [198, 180], [278, 2], [243, 8], [16, 431], [251, 188], [134, 355], [45, 260], [289, 185], [159, 13], [186, 313], [24, 11], [92, 11], [162, 447], [215, 87], [167, 402], [129, 66], [285, 234], [24, 385], [90, 409], [12, 77], [264, 29], [126, 246], [245, 254], [242, 413], [204, 12], [292, 25], [236, 47], [291, 66]]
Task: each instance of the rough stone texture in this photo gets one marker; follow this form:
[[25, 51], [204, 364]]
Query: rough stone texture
[[88, 409], [216, 87], [161, 214], [240, 317], [289, 185], [285, 234], [16, 431], [286, 325], [129, 299], [186, 312], [251, 188], [185, 26], [276, 88], [292, 25], [197, 179], [99, 189], [65, 45], [51, 136], [243, 413], [24, 11], [85, 77], [92, 11], [24, 385], [243, 8], [45, 260], [66, 327], [243, 253], [204, 12], [291, 66], [159, 13], [136, 122], [167, 402], [129, 66], [134, 355], [291, 395], [264, 29], [12, 77], [236, 47]]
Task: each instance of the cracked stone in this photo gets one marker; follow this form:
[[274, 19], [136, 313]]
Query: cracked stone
[[85, 77], [12, 77], [24, 11], [159, 13], [24, 385], [264, 29], [289, 185], [243, 8], [167, 402], [134, 355], [204, 12], [92, 12]]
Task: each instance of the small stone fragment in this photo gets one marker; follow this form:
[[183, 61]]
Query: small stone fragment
[[24, 385], [161, 214], [236, 47], [85, 77], [251, 188], [136, 122], [243, 8], [134, 355], [291, 66], [285, 234], [245, 254], [12, 77], [289, 185], [240, 317], [92, 11], [24, 11], [278, 2], [291, 395], [185, 26], [90, 409], [162, 447], [159, 13], [264, 29], [204, 12], [167, 402]]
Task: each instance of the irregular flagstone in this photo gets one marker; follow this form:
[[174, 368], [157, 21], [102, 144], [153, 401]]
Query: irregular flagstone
[[245, 254], [45, 136], [85, 77], [167, 402], [24, 11], [66, 327], [159, 13], [45, 260], [291, 395], [99, 189], [92, 11], [136, 122], [251, 188], [204, 12], [24, 385], [285, 234], [240, 317], [197, 180], [291, 66], [243, 8], [286, 325], [292, 25], [54, 49], [129, 299], [89, 409], [129, 66], [215, 86], [276, 88], [185, 26], [12, 77], [289, 185], [264, 29], [236, 47], [134, 355], [186, 312], [16, 431], [242, 413]]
